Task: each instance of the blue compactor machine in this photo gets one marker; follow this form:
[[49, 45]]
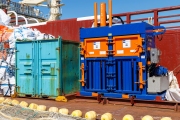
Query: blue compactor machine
[[121, 61]]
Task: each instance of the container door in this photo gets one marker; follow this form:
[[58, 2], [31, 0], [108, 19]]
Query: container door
[[123, 77], [70, 67], [127, 75], [25, 77], [49, 67], [127, 45], [95, 75], [95, 47]]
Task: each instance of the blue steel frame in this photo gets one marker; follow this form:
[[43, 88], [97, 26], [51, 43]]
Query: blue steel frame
[[109, 79]]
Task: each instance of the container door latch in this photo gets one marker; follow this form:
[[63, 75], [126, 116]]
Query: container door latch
[[82, 51], [138, 48], [141, 81], [82, 73]]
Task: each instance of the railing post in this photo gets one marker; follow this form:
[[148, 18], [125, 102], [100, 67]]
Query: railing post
[[156, 22], [128, 18]]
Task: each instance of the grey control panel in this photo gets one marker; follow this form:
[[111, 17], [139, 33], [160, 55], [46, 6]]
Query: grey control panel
[[154, 54]]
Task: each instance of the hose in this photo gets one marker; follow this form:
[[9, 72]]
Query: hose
[[119, 18], [116, 17]]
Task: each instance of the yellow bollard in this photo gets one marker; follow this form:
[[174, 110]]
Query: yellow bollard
[[15, 102], [41, 107], [166, 118], [128, 117], [76, 113], [91, 115], [33, 106], [64, 111], [106, 116], [23, 104], [53, 109], [147, 117]]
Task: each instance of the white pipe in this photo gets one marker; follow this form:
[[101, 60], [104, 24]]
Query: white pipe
[[34, 19], [32, 2], [24, 19], [16, 16], [42, 5]]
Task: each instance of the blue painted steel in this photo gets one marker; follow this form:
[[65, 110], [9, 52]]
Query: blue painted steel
[[119, 95], [114, 76], [99, 76], [143, 58], [160, 70], [159, 27], [48, 68], [118, 30], [126, 77]]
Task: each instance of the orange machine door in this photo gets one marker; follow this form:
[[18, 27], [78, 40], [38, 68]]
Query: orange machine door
[[130, 45], [96, 47]]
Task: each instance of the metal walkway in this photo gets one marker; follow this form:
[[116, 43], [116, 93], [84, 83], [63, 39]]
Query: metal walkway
[[22, 9]]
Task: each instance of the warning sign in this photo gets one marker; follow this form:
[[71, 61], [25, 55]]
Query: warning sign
[[96, 45], [126, 43]]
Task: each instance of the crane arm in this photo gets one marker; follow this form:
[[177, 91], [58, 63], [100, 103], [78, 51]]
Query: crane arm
[[32, 2], [54, 6]]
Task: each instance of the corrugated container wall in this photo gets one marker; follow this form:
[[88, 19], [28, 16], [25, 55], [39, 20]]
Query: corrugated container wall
[[49, 68], [67, 29]]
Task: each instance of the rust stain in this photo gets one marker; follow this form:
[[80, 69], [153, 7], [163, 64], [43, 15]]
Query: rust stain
[[52, 86], [52, 82], [52, 71], [18, 89], [27, 56], [58, 48], [28, 89], [58, 91]]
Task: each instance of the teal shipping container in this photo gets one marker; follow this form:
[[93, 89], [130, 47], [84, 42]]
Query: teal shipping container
[[47, 68]]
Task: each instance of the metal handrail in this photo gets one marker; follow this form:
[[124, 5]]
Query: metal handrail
[[21, 9]]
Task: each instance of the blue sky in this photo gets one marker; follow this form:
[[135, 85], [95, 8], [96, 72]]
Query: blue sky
[[81, 8]]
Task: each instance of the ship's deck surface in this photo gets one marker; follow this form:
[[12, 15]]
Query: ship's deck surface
[[118, 111]]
